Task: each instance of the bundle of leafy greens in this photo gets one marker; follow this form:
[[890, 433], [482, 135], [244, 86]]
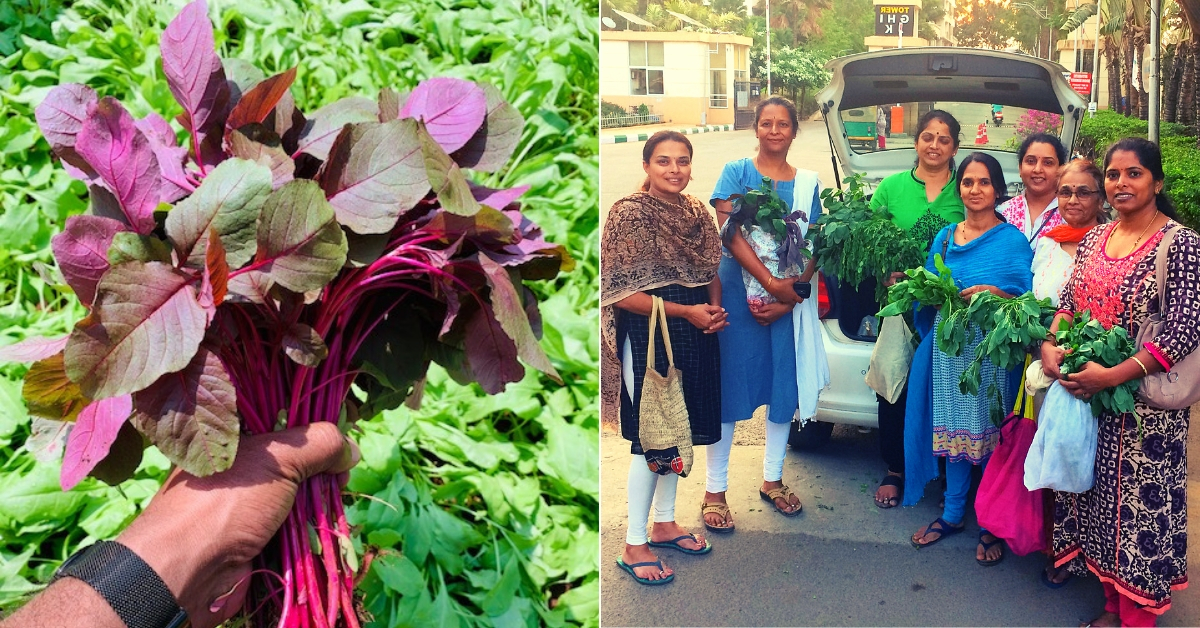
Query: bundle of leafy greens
[[854, 242], [1086, 340], [763, 208], [250, 279]]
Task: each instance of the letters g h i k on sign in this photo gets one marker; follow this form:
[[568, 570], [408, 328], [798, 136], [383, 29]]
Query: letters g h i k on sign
[[894, 21]]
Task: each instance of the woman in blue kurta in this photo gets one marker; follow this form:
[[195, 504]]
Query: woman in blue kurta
[[985, 254], [765, 343]]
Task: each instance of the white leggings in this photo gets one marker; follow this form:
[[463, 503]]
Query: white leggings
[[646, 486], [718, 456]]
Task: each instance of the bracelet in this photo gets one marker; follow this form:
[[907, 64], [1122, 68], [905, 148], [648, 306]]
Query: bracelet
[[770, 283], [1145, 372]]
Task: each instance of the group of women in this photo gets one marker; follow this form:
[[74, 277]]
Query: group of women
[[1054, 239]]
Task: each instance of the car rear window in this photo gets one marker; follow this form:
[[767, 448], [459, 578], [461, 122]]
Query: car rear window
[[893, 126]]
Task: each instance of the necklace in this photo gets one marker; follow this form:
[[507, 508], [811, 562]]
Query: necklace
[[1142, 234]]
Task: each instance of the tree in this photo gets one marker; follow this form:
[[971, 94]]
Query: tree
[[794, 70], [985, 24]]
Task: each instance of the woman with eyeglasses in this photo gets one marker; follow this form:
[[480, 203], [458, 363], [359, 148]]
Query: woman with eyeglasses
[[922, 201], [1035, 210]]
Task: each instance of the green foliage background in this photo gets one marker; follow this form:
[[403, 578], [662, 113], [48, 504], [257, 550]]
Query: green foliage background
[[476, 510]]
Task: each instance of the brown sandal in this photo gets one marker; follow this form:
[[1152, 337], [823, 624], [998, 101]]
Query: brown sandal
[[784, 493], [720, 509]]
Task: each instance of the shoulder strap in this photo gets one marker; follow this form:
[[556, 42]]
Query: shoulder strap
[[1160, 268], [658, 312]]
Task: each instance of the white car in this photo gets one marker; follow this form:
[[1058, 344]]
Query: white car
[[900, 85]]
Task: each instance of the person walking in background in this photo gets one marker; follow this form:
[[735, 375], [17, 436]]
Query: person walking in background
[[772, 354], [1130, 528], [922, 200], [1035, 210], [985, 254], [661, 242]]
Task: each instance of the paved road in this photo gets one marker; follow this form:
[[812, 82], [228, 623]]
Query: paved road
[[842, 561]]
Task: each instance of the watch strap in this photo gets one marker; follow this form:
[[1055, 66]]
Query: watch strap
[[131, 587]]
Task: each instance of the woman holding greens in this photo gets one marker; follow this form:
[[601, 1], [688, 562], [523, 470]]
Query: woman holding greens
[[985, 254], [922, 200], [1130, 528]]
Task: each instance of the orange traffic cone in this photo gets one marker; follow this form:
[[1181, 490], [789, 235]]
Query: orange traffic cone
[[981, 134]]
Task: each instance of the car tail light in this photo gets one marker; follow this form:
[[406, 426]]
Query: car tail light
[[823, 304]]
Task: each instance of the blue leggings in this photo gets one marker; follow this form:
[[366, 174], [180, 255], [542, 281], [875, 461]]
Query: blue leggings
[[958, 484]]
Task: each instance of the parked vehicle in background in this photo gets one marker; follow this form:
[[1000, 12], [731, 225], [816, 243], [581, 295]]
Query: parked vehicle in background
[[964, 82]]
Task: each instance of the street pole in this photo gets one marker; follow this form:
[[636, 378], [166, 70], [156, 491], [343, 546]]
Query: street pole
[[1152, 82], [768, 2], [1095, 69]]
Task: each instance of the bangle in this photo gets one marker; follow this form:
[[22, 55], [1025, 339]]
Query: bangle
[[770, 283], [1145, 372]]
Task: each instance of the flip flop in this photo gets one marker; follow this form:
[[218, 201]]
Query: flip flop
[[987, 546], [674, 544], [720, 509], [892, 502], [1052, 584], [943, 530], [783, 492], [646, 581]]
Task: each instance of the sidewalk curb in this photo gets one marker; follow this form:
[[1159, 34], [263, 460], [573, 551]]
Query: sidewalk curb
[[641, 137]]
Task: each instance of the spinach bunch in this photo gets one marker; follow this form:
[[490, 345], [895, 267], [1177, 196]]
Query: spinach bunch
[[1086, 340], [763, 207], [855, 242], [925, 288]]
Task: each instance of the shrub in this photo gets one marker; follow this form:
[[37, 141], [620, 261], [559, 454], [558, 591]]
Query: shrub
[[610, 110], [1034, 121]]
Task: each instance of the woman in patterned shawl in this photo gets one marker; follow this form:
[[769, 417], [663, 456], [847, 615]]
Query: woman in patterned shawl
[[985, 254], [1130, 528], [660, 242]]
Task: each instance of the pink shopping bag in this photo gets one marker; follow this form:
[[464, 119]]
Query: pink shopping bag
[[1003, 505]]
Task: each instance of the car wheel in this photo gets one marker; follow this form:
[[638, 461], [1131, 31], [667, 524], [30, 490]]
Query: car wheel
[[811, 436]]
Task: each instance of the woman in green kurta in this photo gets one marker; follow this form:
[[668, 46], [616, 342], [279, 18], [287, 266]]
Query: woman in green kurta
[[922, 200]]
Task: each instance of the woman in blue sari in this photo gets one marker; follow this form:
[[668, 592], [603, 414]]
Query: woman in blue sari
[[984, 253]]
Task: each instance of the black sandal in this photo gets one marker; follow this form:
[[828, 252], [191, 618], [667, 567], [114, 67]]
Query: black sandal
[[891, 502]]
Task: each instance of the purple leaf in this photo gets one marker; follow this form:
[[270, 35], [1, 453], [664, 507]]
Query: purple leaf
[[60, 117], [256, 143], [82, 253], [324, 125], [229, 202], [389, 104], [497, 199], [452, 109], [197, 78], [250, 287], [124, 160], [191, 415], [304, 345], [260, 101], [300, 243], [32, 349], [147, 322], [491, 146], [510, 313], [491, 354], [446, 178], [102, 203], [94, 433], [170, 157], [375, 173]]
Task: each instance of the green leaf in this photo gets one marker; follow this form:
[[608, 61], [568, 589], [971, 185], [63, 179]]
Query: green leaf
[[500, 597], [398, 573], [300, 244], [446, 177], [128, 246], [229, 201]]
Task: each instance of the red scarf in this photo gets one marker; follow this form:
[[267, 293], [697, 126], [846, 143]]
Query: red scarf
[[1067, 233]]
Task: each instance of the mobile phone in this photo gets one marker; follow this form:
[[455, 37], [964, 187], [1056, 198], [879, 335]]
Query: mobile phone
[[803, 289]]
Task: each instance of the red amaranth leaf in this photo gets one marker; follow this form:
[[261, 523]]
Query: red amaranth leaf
[[229, 201], [48, 392], [94, 433], [301, 246], [216, 268], [32, 349], [491, 146], [452, 109], [122, 157], [259, 101], [324, 125], [170, 155], [510, 313], [191, 415], [375, 173], [147, 322], [81, 251], [196, 78], [304, 345], [447, 178], [60, 116], [497, 199], [256, 143], [491, 353]]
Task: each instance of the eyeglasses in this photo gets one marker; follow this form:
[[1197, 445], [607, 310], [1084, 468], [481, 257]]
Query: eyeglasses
[[1083, 194]]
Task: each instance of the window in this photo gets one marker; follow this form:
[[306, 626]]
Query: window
[[740, 64], [1084, 60], [645, 68], [717, 61]]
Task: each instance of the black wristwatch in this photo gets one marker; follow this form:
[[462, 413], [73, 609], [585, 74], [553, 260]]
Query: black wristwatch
[[131, 587]]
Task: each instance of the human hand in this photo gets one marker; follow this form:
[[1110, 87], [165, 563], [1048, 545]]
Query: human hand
[[781, 289], [1052, 357], [1091, 379], [201, 534], [894, 278], [771, 312], [973, 290], [710, 318]]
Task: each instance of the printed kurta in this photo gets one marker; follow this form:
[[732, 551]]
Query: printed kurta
[[1130, 529]]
